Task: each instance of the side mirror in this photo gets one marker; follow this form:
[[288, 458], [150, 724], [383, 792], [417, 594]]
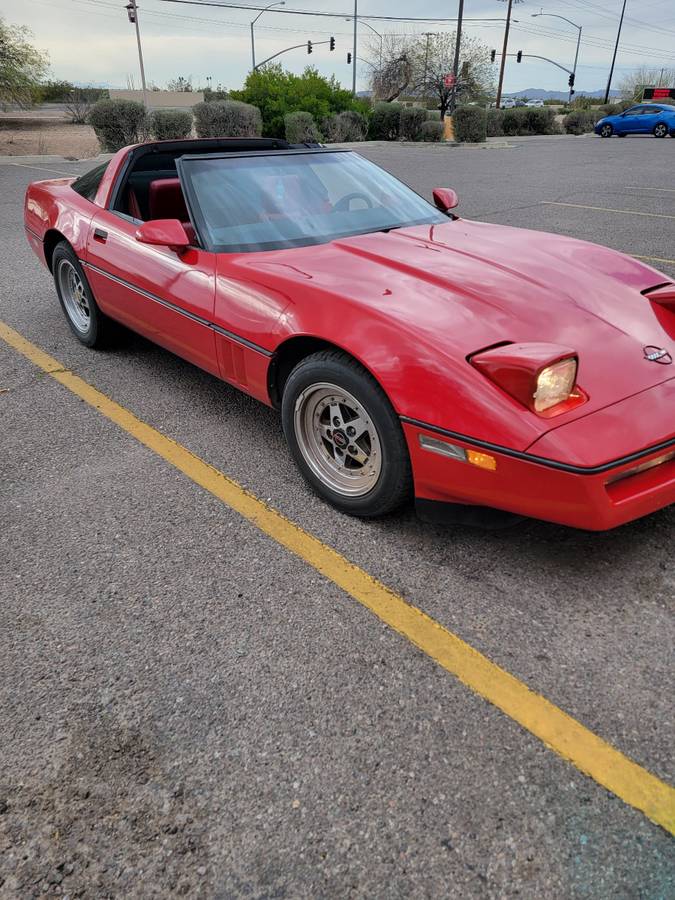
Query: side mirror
[[164, 233], [445, 199]]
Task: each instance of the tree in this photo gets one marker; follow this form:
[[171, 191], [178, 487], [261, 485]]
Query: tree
[[417, 67], [184, 85], [632, 83], [277, 92], [22, 65]]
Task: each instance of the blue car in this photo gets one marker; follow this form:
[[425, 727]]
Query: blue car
[[646, 118]]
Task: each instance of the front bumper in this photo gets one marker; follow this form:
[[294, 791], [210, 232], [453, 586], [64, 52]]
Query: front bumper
[[588, 499]]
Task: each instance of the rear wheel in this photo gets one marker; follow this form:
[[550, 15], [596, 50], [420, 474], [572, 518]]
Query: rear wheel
[[344, 435], [86, 320], [660, 130], [606, 130]]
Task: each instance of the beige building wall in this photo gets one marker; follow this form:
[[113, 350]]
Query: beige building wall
[[162, 99]]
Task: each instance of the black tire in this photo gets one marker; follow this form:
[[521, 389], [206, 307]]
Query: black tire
[[392, 484], [94, 328], [606, 131], [660, 130], [621, 134]]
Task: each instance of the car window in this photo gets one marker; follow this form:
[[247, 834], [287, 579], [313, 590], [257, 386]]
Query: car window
[[87, 185], [296, 199]]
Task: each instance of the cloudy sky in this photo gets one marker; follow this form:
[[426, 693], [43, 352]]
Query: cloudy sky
[[91, 41]]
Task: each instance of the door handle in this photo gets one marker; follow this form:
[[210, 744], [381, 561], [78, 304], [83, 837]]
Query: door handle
[[100, 235]]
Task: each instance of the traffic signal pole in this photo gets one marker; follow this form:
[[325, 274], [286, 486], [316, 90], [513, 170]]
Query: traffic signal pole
[[308, 44]]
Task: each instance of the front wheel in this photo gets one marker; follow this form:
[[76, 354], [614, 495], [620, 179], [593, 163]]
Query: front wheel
[[344, 435], [606, 131], [86, 320], [660, 130]]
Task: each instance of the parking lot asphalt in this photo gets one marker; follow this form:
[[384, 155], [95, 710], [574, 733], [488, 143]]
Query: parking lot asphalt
[[187, 707]]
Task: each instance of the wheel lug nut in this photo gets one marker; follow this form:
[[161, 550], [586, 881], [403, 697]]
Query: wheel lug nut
[[351, 448], [351, 431], [336, 422]]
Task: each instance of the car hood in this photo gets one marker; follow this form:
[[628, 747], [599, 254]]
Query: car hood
[[463, 286]]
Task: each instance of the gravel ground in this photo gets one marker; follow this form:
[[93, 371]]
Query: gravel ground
[[187, 709]]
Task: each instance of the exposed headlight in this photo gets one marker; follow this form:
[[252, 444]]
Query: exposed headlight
[[555, 384]]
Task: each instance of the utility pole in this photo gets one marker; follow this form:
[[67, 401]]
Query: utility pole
[[616, 47], [505, 48], [455, 64], [356, 19], [132, 12]]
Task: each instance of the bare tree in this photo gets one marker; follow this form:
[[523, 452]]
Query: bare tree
[[645, 76], [418, 66], [390, 62]]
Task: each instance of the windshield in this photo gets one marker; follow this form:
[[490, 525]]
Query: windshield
[[294, 199]]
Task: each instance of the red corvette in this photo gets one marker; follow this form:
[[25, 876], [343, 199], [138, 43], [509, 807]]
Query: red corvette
[[410, 351]]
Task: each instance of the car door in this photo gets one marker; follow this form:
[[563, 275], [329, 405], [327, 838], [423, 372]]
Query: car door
[[649, 116], [632, 120], [162, 294]]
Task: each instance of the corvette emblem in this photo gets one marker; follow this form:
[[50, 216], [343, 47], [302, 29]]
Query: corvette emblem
[[657, 355]]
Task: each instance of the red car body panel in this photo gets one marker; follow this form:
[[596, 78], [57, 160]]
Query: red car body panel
[[412, 305]]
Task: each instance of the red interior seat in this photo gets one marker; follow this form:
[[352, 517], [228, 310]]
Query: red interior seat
[[166, 201]]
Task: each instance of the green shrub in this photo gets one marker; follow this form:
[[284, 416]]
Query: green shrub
[[470, 124], [227, 118], [346, 126], [526, 120], [301, 128], [411, 121], [431, 131], [580, 121], [539, 120], [495, 119], [170, 124], [385, 122], [118, 123], [276, 93], [433, 115]]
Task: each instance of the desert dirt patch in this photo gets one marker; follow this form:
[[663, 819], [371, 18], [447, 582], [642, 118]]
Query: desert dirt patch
[[35, 137]]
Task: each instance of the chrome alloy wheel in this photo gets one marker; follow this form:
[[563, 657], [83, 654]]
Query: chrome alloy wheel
[[660, 130], [606, 131], [74, 296], [338, 439]]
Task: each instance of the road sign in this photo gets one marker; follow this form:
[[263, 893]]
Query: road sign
[[658, 93], [449, 80]]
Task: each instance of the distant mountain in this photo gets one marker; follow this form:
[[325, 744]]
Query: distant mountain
[[539, 94]]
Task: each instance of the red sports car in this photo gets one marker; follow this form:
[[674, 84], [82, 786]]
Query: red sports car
[[411, 352]]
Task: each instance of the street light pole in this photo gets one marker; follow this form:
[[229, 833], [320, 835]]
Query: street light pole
[[576, 55], [277, 3], [616, 47], [375, 31], [132, 12]]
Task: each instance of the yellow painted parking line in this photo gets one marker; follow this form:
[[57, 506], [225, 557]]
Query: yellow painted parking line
[[559, 731], [627, 212], [660, 259]]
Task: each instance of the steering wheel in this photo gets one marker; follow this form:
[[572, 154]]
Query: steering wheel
[[343, 204]]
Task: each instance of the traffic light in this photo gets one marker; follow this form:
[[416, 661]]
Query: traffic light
[[570, 80], [131, 12], [309, 46], [493, 53], [519, 56], [349, 58], [331, 44]]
